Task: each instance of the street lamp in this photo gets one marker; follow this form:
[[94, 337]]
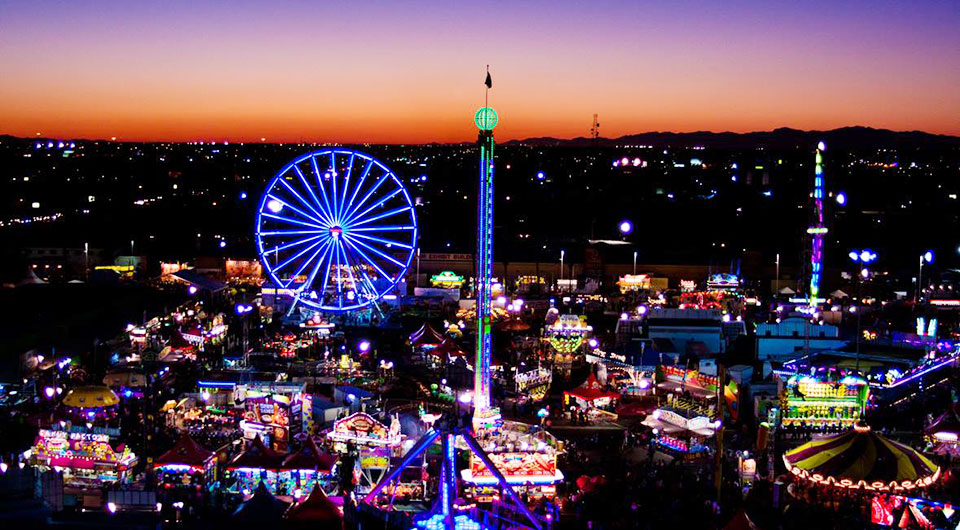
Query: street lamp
[[242, 310], [925, 257], [562, 254], [863, 257]]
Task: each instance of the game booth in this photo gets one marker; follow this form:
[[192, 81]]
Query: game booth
[[534, 384], [687, 416], [593, 398], [376, 443], [257, 464], [87, 460], [187, 465], [301, 471], [827, 399]]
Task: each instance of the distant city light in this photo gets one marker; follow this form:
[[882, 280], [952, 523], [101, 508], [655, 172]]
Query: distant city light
[[626, 227], [841, 198], [540, 175]]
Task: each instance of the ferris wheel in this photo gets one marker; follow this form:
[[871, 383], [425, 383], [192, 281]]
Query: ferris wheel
[[337, 228]]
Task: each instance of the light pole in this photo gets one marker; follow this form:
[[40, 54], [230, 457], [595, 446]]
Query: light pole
[[863, 257], [562, 254], [925, 257], [634, 262], [418, 266], [777, 284]]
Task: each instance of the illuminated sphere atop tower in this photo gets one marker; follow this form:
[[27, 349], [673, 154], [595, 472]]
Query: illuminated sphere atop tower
[[486, 118]]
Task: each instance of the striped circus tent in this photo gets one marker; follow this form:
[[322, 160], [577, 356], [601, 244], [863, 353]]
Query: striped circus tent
[[861, 459]]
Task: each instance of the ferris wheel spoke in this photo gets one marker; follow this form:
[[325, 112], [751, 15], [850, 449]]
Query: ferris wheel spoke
[[301, 199], [339, 279], [291, 232], [386, 242], [346, 185], [333, 185], [304, 265], [303, 180], [365, 282], [384, 215], [394, 228], [294, 221], [290, 245], [323, 190], [356, 189], [346, 261], [293, 258], [380, 253], [286, 204], [373, 189], [313, 274], [366, 258], [374, 206]]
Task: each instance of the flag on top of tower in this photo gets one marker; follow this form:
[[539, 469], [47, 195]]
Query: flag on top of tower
[[488, 81]]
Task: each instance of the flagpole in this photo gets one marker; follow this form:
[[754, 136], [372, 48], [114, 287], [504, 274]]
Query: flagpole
[[486, 90]]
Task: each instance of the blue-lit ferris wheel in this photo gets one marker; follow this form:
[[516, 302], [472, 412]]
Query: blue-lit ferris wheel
[[337, 228]]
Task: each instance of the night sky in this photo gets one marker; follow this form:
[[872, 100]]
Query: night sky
[[412, 71]]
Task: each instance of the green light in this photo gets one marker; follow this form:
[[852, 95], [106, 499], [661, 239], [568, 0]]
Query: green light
[[486, 118]]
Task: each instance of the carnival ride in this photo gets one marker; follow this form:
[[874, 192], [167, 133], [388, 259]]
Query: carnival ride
[[338, 227], [444, 515], [818, 230], [861, 459]]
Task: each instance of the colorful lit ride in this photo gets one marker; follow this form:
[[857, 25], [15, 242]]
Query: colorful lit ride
[[567, 334], [338, 227]]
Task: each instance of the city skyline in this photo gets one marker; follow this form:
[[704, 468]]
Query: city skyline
[[383, 73]]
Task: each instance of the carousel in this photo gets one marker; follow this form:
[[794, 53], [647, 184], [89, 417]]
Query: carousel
[[861, 459]]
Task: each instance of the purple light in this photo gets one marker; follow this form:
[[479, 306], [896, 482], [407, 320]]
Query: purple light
[[192, 289], [364, 346]]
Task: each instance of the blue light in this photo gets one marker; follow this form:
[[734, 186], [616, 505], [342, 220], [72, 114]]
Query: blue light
[[243, 195], [854, 256], [540, 175], [928, 256], [841, 198], [626, 227], [867, 256], [337, 227]]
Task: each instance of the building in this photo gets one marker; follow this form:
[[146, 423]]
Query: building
[[690, 330], [781, 341]]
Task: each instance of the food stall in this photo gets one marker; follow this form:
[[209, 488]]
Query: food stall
[[87, 460]]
